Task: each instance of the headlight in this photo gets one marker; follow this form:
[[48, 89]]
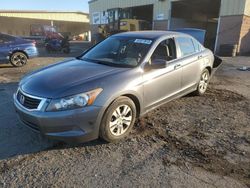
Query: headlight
[[74, 102]]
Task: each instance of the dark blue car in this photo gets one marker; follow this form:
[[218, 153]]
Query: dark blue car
[[16, 50]]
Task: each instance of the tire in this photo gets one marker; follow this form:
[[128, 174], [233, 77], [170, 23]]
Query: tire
[[48, 50], [118, 120], [203, 83], [18, 59], [66, 50]]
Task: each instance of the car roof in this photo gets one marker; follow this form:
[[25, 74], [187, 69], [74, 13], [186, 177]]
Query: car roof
[[6, 34], [149, 34]]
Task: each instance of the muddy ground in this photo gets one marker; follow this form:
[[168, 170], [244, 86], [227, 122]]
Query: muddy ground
[[190, 142]]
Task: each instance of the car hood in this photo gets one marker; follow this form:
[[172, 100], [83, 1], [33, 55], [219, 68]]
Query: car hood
[[66, 78]]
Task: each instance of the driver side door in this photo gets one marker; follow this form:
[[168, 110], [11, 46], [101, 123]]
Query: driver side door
[[161, 85], [4, 47]]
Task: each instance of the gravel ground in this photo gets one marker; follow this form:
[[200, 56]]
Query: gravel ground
[[190, 142]]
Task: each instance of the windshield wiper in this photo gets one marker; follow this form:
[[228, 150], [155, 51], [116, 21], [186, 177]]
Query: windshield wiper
[[97, 61], [79, 58], [105, 63]]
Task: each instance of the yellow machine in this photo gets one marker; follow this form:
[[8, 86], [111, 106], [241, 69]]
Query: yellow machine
[[133, 25], [122, 26]]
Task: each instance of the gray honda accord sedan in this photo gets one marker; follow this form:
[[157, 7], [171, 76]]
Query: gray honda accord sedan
[[103, 91]]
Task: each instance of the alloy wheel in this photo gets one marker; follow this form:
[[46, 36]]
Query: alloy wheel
[[19, 59], [121, 119], [204, 82]]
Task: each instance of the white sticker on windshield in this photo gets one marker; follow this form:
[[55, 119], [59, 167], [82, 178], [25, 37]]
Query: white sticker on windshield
[[143, 41]]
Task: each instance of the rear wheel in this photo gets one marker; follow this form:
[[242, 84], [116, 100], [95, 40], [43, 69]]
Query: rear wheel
[[18, 59], [118, 120], [203, 83]]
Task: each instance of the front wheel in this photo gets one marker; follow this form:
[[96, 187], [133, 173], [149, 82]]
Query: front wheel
[[48, 49], [66, 50], [118, 120], [18, 59], [203, 83]]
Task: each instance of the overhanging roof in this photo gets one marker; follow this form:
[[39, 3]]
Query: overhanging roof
[[47, 15]]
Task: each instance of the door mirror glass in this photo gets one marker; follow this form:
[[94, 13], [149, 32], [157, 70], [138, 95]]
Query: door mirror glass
[[157, 64]]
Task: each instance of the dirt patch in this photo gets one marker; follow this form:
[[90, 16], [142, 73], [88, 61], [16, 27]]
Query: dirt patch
[[189, 142], [211, 132], [192, 141]]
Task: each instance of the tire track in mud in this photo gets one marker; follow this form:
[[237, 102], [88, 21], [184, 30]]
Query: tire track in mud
[[203, 139], [191, 132]]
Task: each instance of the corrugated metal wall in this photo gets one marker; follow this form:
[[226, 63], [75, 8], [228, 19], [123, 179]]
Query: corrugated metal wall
[[21, 26], [247, 8], [101, 5], [228, 7], [232, 7], [72, 17], [160, 7]]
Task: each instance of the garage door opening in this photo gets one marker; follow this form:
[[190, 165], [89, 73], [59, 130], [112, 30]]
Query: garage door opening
[[144, 13], [200, 14]]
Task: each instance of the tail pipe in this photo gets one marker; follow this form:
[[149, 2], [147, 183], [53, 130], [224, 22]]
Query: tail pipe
[[217, 63]]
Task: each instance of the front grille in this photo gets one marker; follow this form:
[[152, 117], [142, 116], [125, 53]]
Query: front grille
[[27, 101]]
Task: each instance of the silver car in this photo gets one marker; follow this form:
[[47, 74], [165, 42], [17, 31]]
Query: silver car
[[102, 92]]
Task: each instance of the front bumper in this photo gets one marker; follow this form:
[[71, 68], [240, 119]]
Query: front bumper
[[76, 126]]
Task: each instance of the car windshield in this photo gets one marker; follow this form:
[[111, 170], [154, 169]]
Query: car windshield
[[119, 51]]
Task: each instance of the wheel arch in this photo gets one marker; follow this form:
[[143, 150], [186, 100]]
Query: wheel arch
[[136, 102], [21, 51], [102, 130], [209, 69]]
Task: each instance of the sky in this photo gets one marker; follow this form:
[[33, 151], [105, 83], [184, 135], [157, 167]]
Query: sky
[[63, 5]]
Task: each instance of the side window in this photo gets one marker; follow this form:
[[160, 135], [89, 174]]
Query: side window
[[166, 50], [186, 46], [197, 45], [6, 38]]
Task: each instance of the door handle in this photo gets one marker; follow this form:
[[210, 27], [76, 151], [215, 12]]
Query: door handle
[[200, 56], [177, 66]]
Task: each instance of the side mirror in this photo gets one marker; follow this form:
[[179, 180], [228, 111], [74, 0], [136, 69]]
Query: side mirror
[[157, 64]]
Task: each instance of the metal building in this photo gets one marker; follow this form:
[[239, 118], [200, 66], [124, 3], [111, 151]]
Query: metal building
[[19, 22], [226, 21]]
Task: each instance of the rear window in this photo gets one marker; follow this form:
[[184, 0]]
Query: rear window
[[186, 46]]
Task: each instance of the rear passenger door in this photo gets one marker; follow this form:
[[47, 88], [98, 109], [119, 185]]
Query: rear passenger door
[[191, 60]]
